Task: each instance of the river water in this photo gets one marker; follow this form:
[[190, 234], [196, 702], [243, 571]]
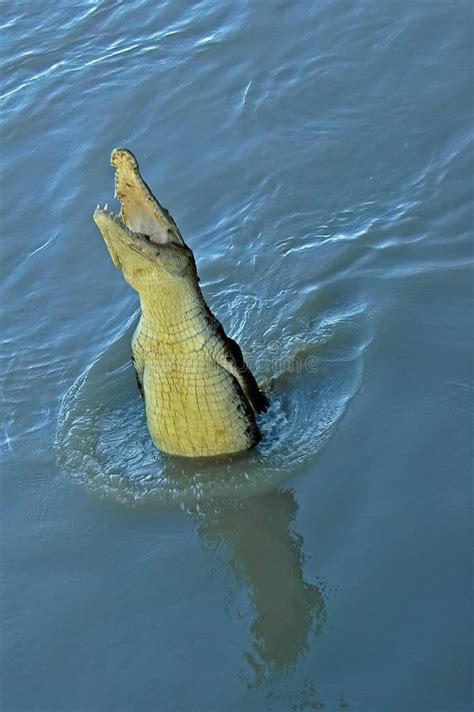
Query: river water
[[317, 157]]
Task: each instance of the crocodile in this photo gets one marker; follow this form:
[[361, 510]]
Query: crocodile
[[200, 396]]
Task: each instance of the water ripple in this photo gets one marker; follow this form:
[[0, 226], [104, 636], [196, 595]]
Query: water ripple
[[103, 442]]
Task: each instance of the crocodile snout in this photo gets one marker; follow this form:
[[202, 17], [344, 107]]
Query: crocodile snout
[[123, 158]]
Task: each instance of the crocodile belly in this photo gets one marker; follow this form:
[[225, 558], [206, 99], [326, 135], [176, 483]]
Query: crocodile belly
[[196, 408]]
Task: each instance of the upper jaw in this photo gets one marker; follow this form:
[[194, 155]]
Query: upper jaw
[[140, 211]]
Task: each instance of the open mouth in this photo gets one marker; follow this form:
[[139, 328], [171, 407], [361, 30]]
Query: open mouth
[[142, 218], [113, 227]]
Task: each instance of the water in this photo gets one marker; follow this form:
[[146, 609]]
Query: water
[[318, 159]]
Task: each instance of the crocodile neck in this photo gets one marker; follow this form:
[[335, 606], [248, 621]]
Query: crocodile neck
[[174, 314]]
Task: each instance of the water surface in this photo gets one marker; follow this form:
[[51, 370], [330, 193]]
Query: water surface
[[318, 159]]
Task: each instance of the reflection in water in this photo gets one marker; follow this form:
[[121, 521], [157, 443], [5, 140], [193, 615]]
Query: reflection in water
[[266, 555]]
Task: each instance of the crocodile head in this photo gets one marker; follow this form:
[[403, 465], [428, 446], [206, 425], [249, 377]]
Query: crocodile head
[[143, 239]]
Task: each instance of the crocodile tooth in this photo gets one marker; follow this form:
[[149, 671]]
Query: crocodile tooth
[[106, 206]]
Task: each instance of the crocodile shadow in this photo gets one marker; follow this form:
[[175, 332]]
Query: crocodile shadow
[[265, 554]]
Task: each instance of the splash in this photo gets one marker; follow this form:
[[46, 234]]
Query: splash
[[102, 439]]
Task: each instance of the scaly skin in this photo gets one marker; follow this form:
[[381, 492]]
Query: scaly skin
[[200, 397]]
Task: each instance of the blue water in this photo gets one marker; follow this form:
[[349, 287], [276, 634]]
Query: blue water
[[318, 160]]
